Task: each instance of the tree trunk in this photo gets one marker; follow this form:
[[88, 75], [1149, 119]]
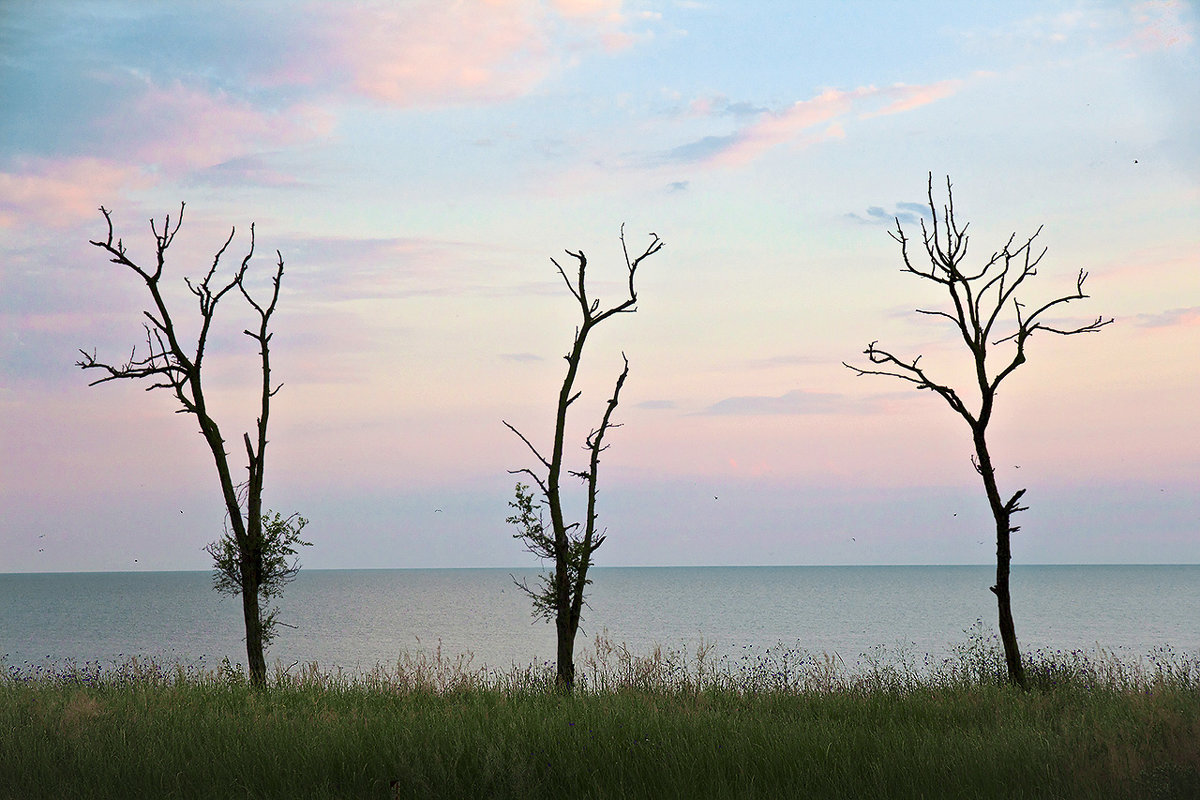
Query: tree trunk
[[1008, 633], [564, 634], [565, 676], [252, 613], [1003, 517]]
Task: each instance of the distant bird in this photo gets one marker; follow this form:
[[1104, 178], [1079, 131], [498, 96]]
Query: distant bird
[[41, 549], [437, 511], [41, 536]]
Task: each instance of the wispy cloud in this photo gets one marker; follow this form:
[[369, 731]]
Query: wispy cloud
[[433, 53], [251, 170], [794, 402], [1171, 318], [1160, 25], [336, 268], [903, 97], [785, 361], [182, 127], [772, 129], [719, 105], [60, 192], [1135, 29], [805, 122], [607, 20], [160, 132], [907, 213], [521, 358]]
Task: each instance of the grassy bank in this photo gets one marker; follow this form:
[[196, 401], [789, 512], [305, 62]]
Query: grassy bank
[[665, 725]]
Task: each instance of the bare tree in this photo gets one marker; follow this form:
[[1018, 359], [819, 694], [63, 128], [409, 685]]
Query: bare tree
[[980, 299], [169, 366], [570, 545]]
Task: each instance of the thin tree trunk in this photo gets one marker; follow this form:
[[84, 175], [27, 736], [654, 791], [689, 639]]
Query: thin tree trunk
[[1003, 518], [1008, 633]]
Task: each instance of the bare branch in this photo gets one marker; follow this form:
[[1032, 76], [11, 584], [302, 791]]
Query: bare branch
[[528, 444], [655, 245], [950, 317], [579, 294], [536, 478], [912, 373]]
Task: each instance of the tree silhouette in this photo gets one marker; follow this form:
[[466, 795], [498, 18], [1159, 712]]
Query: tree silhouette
[[570, 545], [986, 313], [247, 554]]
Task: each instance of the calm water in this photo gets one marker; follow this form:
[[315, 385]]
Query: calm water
[[358, 618]]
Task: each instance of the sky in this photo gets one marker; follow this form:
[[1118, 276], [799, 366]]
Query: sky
[[417, 165]]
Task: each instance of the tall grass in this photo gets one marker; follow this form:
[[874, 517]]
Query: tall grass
[[664, 724]]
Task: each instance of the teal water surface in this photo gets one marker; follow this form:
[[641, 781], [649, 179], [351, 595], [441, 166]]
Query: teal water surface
[[355, 619]]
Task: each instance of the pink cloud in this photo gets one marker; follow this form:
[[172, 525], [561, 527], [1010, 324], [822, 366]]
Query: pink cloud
[[441, 52], [605, 18], [1175, 317], [589, 8], [162, 130], [774, 129], [831, 106], [906, 98], [431, 52], [1161, 25], [181, 127], [60, 192]]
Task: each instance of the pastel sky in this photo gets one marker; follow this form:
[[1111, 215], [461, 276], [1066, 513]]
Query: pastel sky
[[418, 164]]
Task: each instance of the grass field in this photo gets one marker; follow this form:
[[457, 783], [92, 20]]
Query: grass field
[[661, 725]]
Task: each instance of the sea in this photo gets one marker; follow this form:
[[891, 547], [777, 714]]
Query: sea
[[356, 620]]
